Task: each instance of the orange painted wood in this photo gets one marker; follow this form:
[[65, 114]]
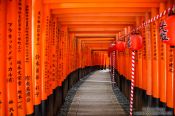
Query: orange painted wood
[[155, 57], [69, 51], [125, 63], [163, 61], [73, 52], [62, 56], [45, 53], [57, 53], [96, 34], [49, 47], [20, 45], [128, 56], [101, 18], [59, 58], [53, 53], [58, 37], [36, 50], [11, 64], [170, 93], [170, 71], [98, 10], [108, 29], [28, 58], [97, 23], [64, 37], [79, 53], [170, 77], [144, 58], [101, 14], [139, 61], [148, 57], [104, 5], [101, 1], [3, 30]]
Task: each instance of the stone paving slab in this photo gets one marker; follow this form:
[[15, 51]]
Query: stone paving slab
[[95, 97]]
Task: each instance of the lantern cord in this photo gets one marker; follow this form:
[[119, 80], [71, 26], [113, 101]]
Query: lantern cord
[[132, 83]]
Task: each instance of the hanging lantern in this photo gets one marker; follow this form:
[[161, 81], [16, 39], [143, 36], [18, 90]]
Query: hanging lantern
[[109, 51], [135, 42], [167, 30], [111, 48], [120, 45]]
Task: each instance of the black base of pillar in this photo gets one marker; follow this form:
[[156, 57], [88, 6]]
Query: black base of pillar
[[37, 110]]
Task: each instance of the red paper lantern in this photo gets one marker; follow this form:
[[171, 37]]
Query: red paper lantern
[[135, 42], [111, 49], [167, 30], [120, 45]]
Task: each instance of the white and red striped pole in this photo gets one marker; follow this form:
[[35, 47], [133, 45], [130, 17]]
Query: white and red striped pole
[[111, 62], [132, 82], [113, 74]]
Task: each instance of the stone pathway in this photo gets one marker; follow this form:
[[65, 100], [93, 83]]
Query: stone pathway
[[95, 97]]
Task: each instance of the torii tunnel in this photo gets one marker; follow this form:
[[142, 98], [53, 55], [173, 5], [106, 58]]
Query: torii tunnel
[[87, 57]]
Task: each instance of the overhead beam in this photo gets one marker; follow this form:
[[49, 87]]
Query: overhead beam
[[98, 49], [101, 1], [95, 39], [91, 45], [96, 22], [93, 48], [99, 10], [101, 14], [94, 29], [94, 32], [96, 46], [103, 5], [99, 25], [95, 35], [96, 42], [97, 19]]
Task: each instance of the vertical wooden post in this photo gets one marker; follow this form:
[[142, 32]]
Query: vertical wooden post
[[148, 56], [3, 31], [36, 53], [162, 67], [170, 72], [155, 57], [45, 87], [144, 58], [11, 71], [28, 57], [20, 44], [45, 52]]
